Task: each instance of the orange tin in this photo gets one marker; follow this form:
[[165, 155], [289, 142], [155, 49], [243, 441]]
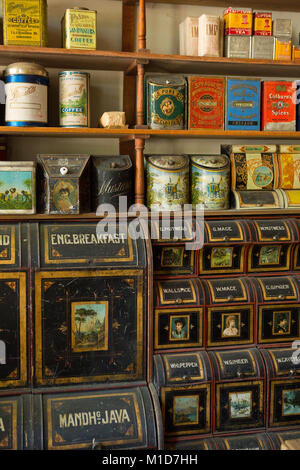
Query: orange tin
[[278, 106], [262, 24], [283, 49], [237, 21]]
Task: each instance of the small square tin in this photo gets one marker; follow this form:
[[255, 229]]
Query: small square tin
[[262, 24], [237, 46], [17, 191], [263, 47], [282, 28], [79, 29], [278, 105]]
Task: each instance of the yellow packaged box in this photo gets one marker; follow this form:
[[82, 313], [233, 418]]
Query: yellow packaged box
[[238, 21], [79, 29], [283, 49], [25, 22]]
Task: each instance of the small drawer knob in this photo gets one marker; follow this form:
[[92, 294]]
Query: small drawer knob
[[179, 301], [230, 297], [63, 170]]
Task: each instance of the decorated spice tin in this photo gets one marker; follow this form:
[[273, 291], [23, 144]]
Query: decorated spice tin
[[74, 96], [79, 29], [167, 182], [278, 106], [242, 104], [26, 89], [206, 103], [210, 181], [166, 102], [25, 22]]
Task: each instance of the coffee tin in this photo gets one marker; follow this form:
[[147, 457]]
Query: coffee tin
[[210, 181], [262, 24], [74, 95], [166, 102], [167, 182], [238, 47], [25, 22], [263, 47], [242, 104], [210, 36], [278, 105], [238, 21], [206, 102], [26, 89], [79, 29]]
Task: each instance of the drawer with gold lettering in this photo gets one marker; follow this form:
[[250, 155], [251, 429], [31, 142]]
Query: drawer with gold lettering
[[272, 245], [278, 309], [224, 247], [178, 314], [239, 390], [248, 442], [118, 418], [183, 384], [230, 312], [15, 421], [278, 438], [13, 330], [283, 377]]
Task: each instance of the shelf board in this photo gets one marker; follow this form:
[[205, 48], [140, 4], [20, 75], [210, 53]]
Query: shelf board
[[166, 63], [269, 5], [68, 132], [218, 134], [68, 58]]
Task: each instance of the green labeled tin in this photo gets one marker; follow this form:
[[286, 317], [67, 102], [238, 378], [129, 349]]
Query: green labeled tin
[[167, 182], [210, 181], [166, 102]]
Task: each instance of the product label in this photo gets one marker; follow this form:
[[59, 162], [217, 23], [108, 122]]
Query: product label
[[25, 22], [26, 102], [206, 99], [238, 22], [243, 104], [279, 109], [73, 99], [80, 29]]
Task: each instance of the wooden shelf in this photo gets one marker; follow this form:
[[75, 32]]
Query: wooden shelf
[[69, 58], [68, 132], [220, 66], [216, 134], [269, 5]]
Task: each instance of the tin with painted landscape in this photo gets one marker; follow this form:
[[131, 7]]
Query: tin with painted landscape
[[210, 181], [17, 188], [167, 182], [166, 102]]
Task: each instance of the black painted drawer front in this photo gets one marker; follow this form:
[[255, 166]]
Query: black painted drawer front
[[111, 419], [166, 231], [278, 323], [195, 444], [14, 423], [89, 326], [284, 403], [10, 252], [246, 442], [228, 291], [282, 362], [178, 328], [186, 409], [173, 260], [239, 405], [225, 231], [269, 258], [13, 330], [178, 292], [230, 325], [221, 259], [278, 438], [272, 230], [237, 364], [276, 289]]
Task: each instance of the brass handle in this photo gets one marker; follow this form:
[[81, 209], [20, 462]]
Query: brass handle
[[230, 297], [226, 238], [179, 301], [281, 297], [276, 237]]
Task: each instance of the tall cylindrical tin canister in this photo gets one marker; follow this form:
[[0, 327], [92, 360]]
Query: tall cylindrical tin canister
[[25, 22], [112, 177], [167, 182], [210, 181], [74, 96], [26, 89], [166, 102]]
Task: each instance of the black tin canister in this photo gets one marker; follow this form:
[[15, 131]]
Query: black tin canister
[[112, 177]]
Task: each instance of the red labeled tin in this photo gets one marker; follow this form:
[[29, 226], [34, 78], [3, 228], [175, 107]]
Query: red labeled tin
[[206, 103], [278, 106], [237, 21], [262, 24]]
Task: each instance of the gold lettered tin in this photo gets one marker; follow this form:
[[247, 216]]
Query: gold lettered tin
[[167, 182], [210, 181], [271, 250], [166, 102], [224, 247], [64, 185], [239, 390], [25, 23], [183, 384], [79, 29], [98, 419], [178, 314], [283, 376], [229, 312], [278, 309]]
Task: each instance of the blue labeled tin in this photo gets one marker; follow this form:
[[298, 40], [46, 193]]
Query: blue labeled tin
[[26, 90], [242, 104]]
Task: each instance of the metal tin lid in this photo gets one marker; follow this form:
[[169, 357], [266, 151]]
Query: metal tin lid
[[28, 68], [211, 161], [112, 162], [169, 162], [166, 80]]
